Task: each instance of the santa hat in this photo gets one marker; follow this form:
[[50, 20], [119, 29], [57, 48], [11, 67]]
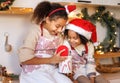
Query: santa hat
[[84, 28], [70, 8]]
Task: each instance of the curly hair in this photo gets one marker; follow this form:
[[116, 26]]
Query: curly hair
[[43, 9]]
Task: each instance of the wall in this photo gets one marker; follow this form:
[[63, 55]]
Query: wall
[[104, 2], [16, 27], [13, 26]]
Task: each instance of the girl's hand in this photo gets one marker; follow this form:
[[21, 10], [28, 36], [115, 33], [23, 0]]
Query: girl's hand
[[56, 58]]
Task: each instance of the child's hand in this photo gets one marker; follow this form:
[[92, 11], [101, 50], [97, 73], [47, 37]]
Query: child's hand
[[56, 58]]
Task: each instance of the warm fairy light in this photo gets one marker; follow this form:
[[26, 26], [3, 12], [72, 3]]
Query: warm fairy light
[[110, 50], [101, 52], [10, 81], [98, 18], [110, 40], [19, 10], [82, 16], [113, 26], [114, 46], [111, 13], [30, 9], [115, 33], [96, 47], [100, 46], [96, 10], [98, 52]]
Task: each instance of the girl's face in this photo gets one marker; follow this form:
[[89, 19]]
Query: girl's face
[[55, 26], [73, 38]]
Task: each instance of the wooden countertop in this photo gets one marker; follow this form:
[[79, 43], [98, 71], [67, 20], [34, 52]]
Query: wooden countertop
[[108, 55]]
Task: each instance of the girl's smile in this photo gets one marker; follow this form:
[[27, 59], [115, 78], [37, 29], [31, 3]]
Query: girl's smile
[[73, 38]]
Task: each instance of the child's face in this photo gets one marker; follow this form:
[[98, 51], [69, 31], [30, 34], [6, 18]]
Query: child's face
[[73, 38], [55, 26]]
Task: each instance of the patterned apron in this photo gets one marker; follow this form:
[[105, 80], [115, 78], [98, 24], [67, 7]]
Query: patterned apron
[[43, 73]]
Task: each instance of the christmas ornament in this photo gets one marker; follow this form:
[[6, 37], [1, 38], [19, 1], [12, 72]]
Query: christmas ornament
[[5, 4], [63, 47]]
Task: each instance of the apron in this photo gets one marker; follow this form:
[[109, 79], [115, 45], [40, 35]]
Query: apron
[[43, 73], [79, 62]]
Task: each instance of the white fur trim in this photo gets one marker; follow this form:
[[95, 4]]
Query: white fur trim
[[96, 43], [66, 8], [79, 30]]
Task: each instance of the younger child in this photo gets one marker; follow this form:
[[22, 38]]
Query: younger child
[[81, 34], [37, 55]]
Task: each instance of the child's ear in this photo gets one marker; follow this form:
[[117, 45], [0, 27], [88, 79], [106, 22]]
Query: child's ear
[[47, 20]]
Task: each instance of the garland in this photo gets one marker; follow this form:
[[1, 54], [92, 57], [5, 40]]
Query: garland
[[107, 20], [5, 4], [3, 72]]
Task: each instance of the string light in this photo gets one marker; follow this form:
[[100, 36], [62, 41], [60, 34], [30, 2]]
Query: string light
[[18, 10], [105, 18], [98, 18], [111, 40], [113, 26], [114, 45], [115, 33], [110, 50], [111, 13], [100, 47], [97, 11], [96, 47]]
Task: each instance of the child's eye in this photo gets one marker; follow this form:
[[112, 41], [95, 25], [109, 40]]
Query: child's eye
[[75, 38], [72, 37], [57, 26]]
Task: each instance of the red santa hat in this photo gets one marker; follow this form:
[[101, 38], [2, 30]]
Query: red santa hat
[[70, 8], [84, 28]]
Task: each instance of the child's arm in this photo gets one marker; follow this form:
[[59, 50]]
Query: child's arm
[[52, 60]]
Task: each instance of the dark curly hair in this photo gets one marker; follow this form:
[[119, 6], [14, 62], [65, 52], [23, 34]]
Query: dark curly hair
[[43, 9]]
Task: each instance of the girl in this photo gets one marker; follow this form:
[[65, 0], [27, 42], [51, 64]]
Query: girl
[[37, 54], [80, 35]]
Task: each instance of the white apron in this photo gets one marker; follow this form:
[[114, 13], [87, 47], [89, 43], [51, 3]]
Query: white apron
[[45, 73]]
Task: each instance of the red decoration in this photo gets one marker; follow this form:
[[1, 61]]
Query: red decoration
[[65, 52]]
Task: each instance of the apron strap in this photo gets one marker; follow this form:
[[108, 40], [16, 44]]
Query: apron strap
[[86, 48], [41, 27]]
